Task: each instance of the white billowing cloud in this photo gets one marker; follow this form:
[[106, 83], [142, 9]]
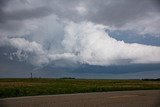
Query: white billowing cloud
[[41, 32], [30, 51], [91, 44], [33, 52], [83, 42]]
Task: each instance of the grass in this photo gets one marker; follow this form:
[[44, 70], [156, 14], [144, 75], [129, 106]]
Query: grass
[[42, 86]]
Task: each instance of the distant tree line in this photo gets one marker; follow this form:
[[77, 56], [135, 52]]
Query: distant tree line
[[157, 79], [67, 78]]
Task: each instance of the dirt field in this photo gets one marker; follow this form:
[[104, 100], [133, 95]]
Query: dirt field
[[148, 98]]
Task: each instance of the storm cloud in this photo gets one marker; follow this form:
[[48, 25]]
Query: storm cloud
[[48, 32]]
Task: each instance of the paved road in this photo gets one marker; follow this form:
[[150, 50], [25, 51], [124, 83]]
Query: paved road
[[103, 99]]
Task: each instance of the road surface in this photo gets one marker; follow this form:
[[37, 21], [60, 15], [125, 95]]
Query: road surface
[[150, 98]]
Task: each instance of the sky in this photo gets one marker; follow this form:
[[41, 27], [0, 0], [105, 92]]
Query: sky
[[110, 39]]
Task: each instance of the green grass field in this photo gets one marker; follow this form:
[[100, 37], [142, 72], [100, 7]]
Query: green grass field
[[41, 86]]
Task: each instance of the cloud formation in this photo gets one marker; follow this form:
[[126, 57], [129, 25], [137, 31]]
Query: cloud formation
[[47, 32], [29, 51], [85, 43], [92, 45], [138, 15]]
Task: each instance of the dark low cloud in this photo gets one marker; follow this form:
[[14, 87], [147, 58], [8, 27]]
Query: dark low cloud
[[101, 11], [122, 69], [120, 12], [22, 14], [26, 14], [2, 4], [108, 12], [157, 4]]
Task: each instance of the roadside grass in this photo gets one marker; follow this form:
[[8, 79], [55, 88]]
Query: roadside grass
[[17, 87]]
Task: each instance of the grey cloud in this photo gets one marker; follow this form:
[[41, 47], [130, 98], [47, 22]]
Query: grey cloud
[[157, 4], [25, 14], [14, 23], [121, 11], [114, 12], [28, 14], [118, 12], [109, 12], [2, 4]]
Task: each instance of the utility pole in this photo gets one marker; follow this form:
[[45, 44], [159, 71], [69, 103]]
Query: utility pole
[[31, 75]]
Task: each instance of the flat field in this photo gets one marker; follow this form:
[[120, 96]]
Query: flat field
[[17, 87]]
